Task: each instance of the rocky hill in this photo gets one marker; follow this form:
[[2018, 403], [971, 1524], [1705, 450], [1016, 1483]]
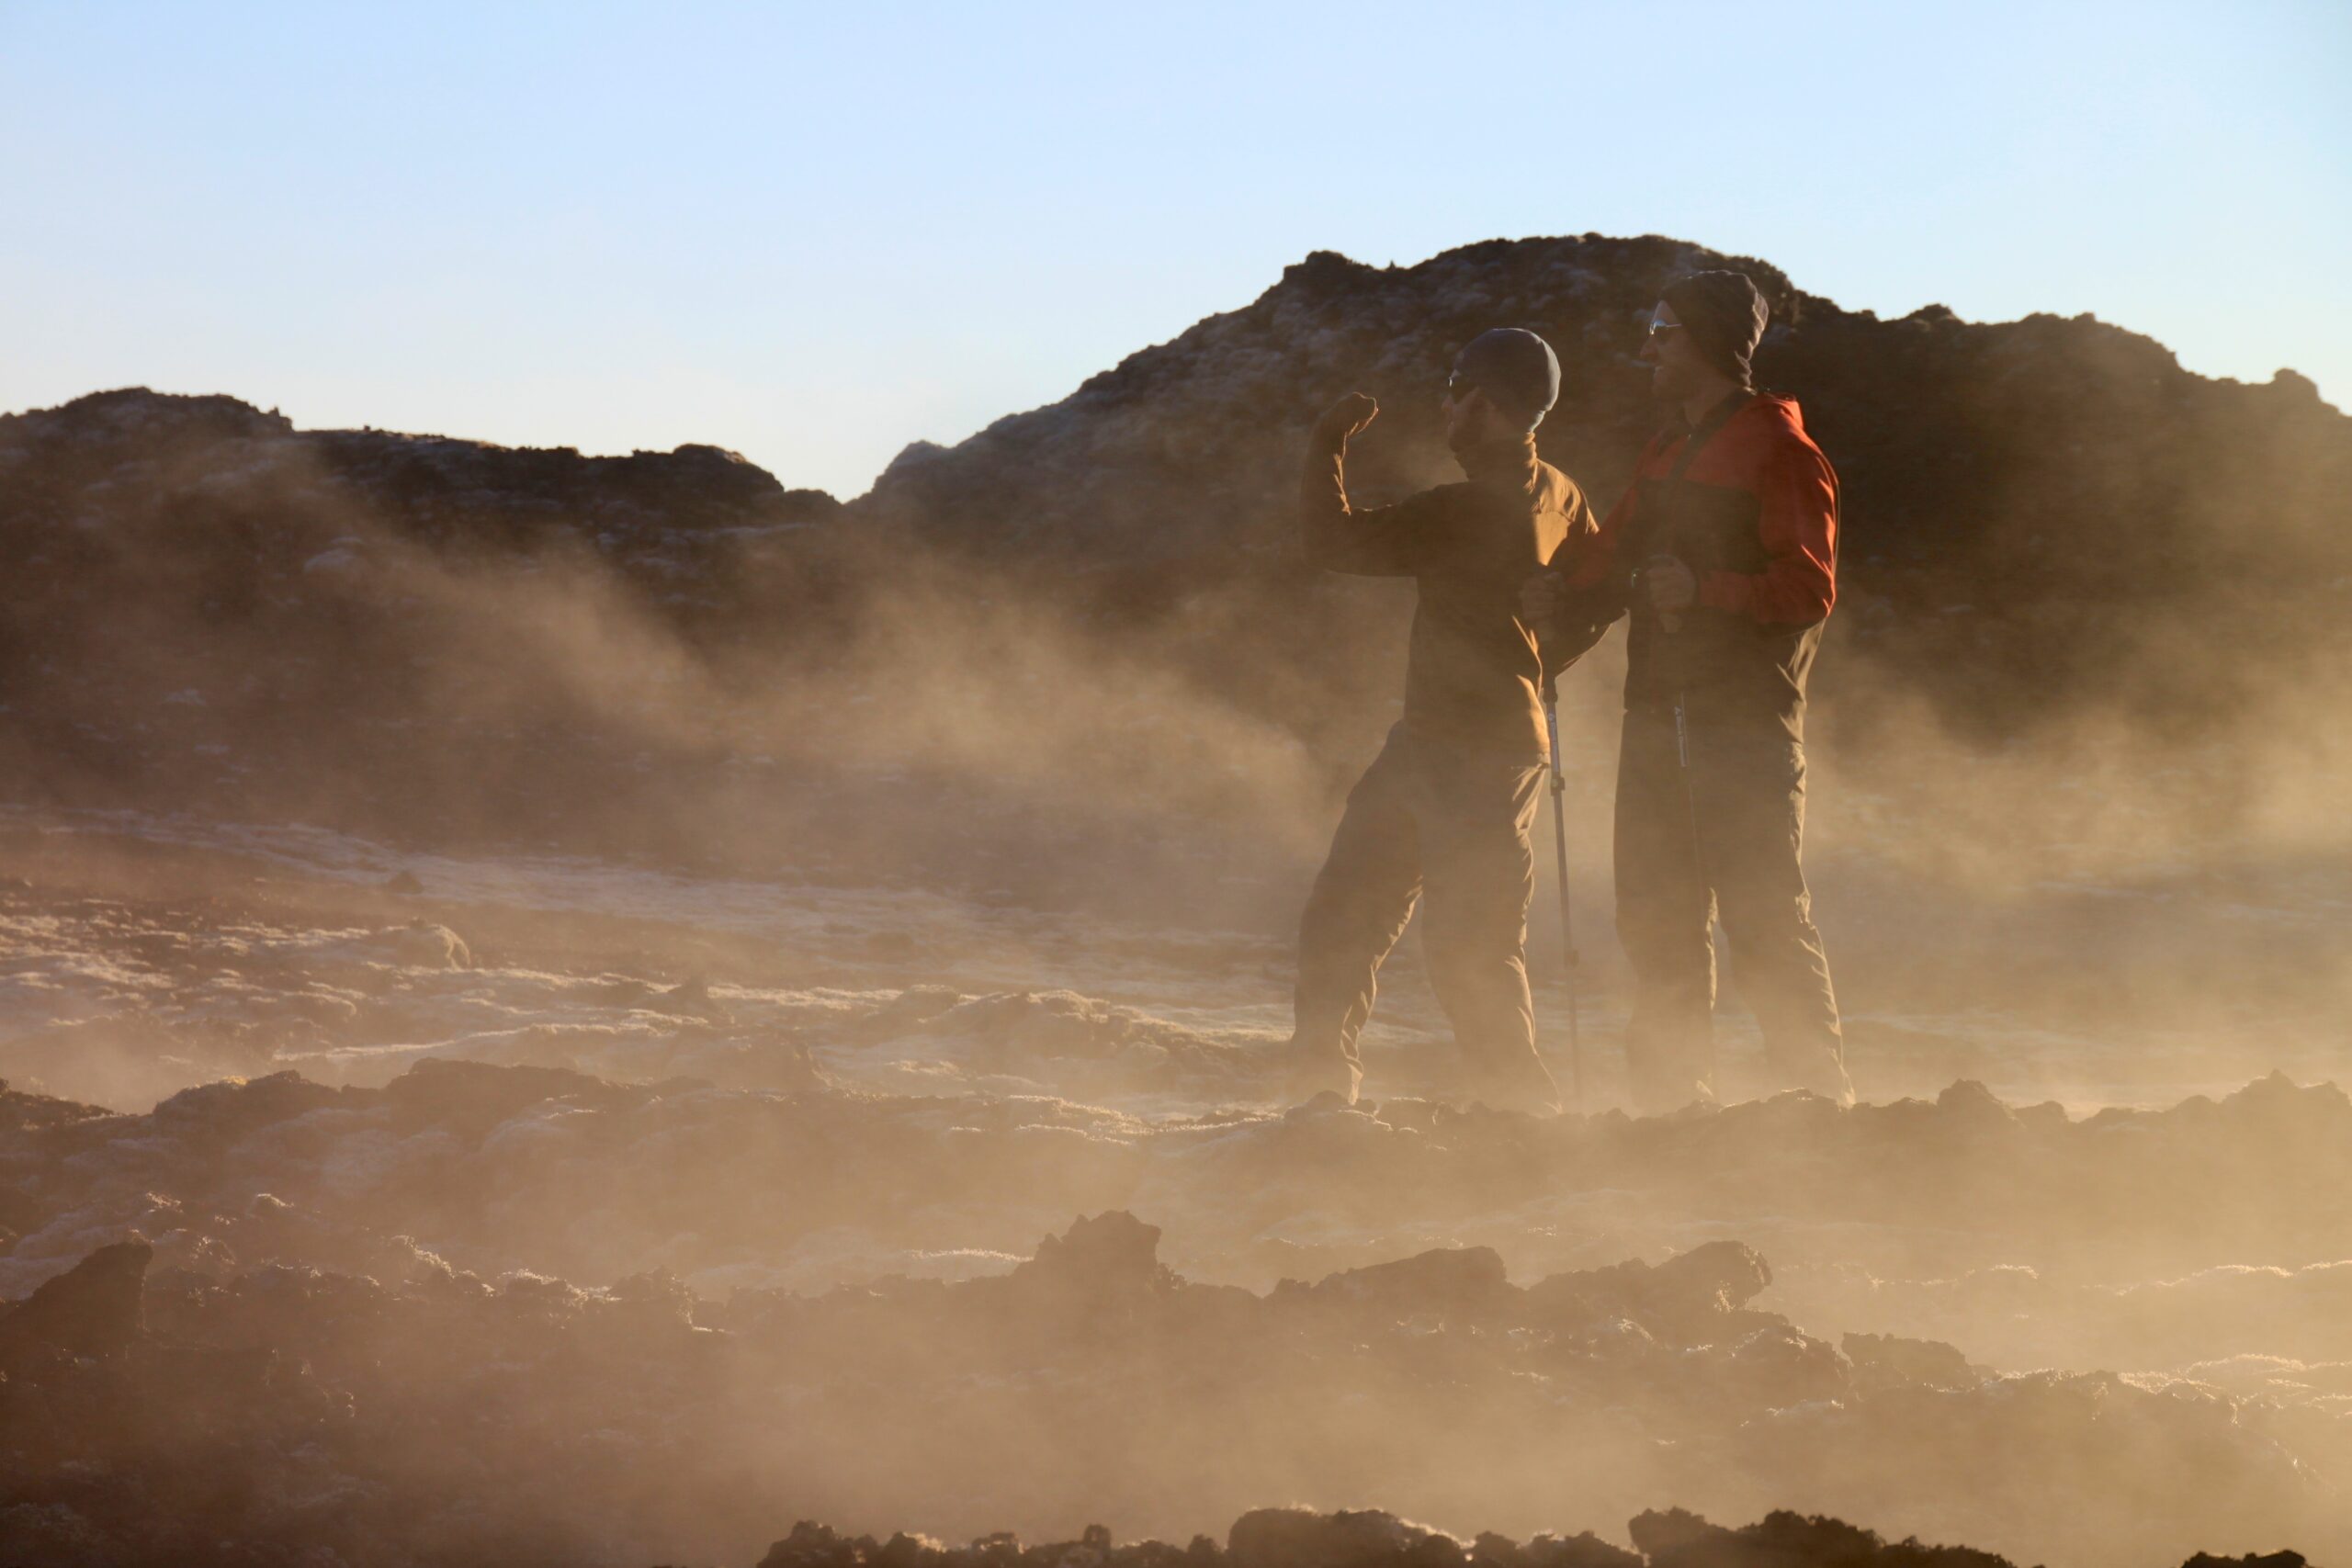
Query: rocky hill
[[2033, 507], [204, 604], [2042, 516]]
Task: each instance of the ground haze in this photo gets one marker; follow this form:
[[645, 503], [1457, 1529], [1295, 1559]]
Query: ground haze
[[588, 1008]]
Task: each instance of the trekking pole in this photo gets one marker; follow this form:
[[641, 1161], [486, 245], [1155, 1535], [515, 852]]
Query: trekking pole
[[1691, 796], [1671, 624], [1568, 917]]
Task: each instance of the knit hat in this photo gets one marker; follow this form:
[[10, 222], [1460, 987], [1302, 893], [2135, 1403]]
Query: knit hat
[[1516, 369], [1725, 314]]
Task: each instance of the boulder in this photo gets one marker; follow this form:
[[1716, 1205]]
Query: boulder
[[92, 1309]]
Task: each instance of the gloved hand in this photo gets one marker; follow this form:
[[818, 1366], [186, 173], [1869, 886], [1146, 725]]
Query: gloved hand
[[1346, 419], [1671, 589]]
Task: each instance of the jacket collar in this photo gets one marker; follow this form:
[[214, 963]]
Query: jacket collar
[[1508, 465]]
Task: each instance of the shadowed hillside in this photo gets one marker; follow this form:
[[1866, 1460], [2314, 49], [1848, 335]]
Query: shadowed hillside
[[1094, 608], [2034, 509]]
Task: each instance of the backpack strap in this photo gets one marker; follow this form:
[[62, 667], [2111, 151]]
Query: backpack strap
[[1704, 430]]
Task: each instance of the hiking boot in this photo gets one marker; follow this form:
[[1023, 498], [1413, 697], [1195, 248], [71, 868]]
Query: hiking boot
[[1305, 1077], [1822, 1072]]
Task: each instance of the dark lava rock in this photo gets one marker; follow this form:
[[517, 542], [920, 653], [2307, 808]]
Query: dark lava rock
[[1678, 1540], [224, 1111], [1458, 1284], [92, 1309], [1098, 1259], [1890, 1361], [1697, 1295], [1300, 1538], [479, 1096], [1585, 1550], [364, 1326]]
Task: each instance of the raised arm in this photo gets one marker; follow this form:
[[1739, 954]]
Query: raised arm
[[1380, 541]]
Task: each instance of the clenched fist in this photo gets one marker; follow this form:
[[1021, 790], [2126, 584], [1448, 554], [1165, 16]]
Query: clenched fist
[[1671, 585], [1347, 418]]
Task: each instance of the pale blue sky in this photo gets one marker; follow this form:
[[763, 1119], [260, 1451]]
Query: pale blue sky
[[815, 232]]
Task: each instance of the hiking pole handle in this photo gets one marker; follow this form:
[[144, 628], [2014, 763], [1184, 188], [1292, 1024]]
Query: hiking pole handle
[[1551, 728], [1668, 621]]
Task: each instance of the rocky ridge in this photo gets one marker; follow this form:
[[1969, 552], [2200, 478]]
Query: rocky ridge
[[425, 1413], [2032, 509]]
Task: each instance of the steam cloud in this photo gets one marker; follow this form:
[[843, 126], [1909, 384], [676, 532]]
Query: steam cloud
[[591, 977]]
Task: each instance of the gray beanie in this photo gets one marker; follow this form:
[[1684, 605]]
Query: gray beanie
[[1725, 313], [1514, 367]]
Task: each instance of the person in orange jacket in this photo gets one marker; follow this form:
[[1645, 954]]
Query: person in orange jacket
[[1723, 556], [1443, 815]]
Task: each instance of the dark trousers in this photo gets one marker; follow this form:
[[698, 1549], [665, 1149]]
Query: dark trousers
[[1448, 829], [1727, 840]]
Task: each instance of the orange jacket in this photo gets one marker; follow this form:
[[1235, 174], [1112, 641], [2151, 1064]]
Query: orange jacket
[[1753, 514]]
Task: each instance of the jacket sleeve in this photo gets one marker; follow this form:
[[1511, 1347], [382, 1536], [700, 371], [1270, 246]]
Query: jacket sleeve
[[1797, 521], [1597, 580], [1380, 541], [1592, 607]]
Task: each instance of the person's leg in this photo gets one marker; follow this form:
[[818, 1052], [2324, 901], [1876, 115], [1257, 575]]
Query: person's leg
[[1665, 919], [1362, 900], [1753, 794], [1478, 871]]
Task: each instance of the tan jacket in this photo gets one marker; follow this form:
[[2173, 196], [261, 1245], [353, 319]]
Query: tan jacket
[[1474, 669]]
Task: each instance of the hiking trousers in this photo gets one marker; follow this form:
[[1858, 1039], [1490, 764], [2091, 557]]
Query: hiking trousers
[[1446, 828], [1728, 841]]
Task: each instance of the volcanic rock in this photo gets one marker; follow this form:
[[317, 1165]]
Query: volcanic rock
[[1681, 1539], [1299, 1537], [92, 1309]]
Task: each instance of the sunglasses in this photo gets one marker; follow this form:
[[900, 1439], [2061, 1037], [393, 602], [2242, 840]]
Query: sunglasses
[[1659, 329], [1459, 390]]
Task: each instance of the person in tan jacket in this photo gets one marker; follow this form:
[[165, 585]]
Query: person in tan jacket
[[1441, 818]]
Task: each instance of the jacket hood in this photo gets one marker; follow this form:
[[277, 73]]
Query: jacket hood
[[1778, 410]]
